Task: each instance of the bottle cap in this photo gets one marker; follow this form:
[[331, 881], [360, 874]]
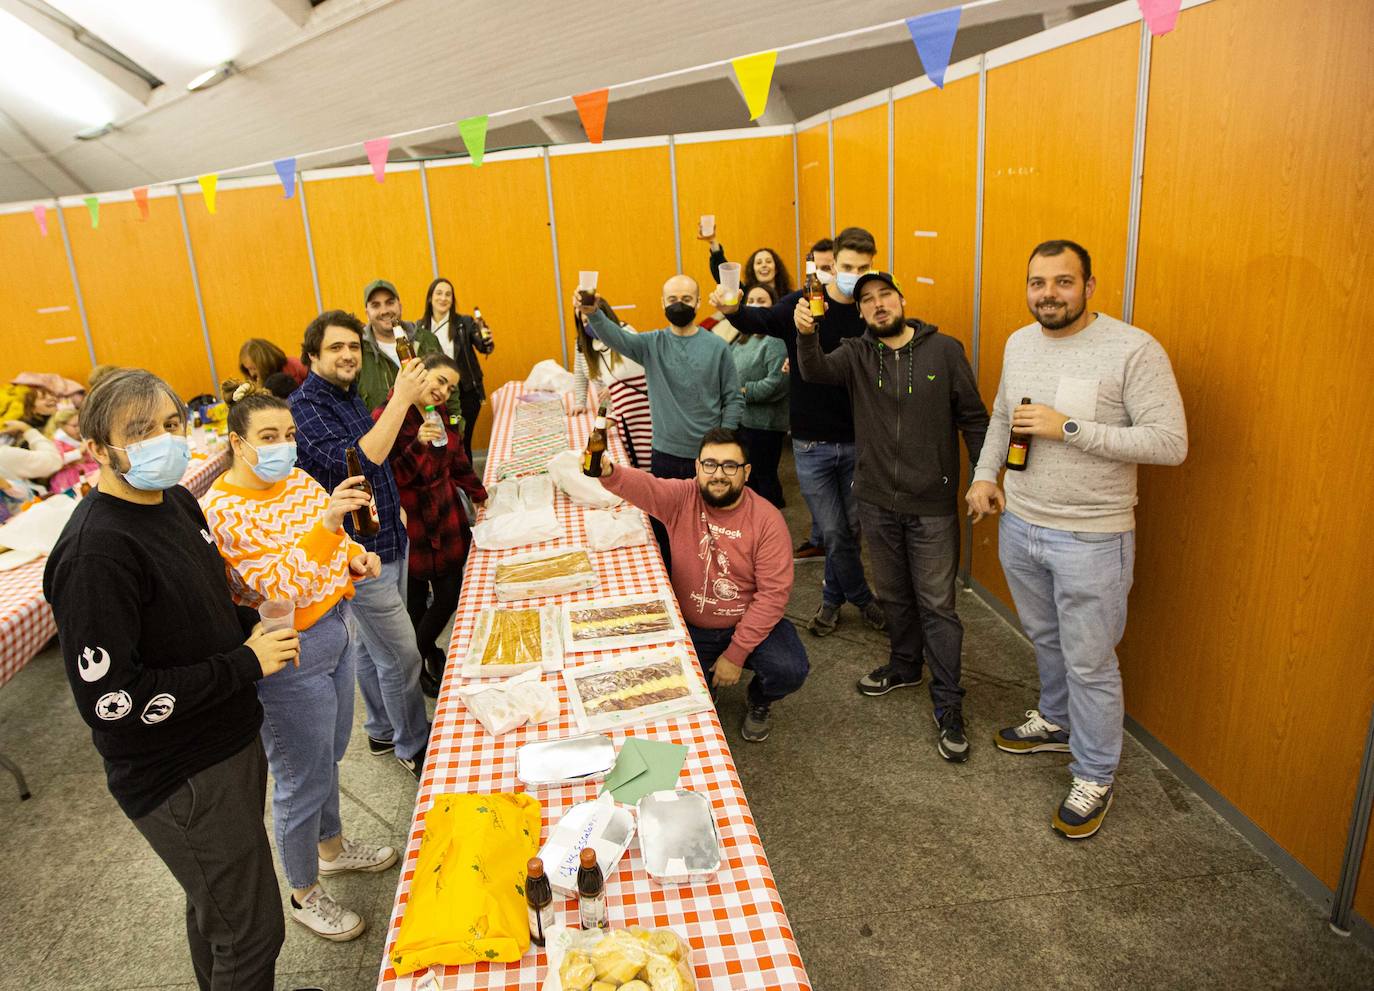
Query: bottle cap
[[588, 857], [535, 868], [429, 409]]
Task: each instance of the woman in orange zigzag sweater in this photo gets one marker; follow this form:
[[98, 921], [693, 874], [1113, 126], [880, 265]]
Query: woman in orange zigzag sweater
[[282, 538]]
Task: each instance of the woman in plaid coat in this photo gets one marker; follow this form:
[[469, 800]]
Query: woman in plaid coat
[[430, 480]]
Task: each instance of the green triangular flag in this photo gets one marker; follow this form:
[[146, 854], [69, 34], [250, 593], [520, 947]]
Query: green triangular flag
[[474, 132], [93, 205]]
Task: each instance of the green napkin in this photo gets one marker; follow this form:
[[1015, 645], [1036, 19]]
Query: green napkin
[[644, 766]]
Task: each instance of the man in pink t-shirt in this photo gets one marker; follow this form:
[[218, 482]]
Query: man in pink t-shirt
[[731, 571]]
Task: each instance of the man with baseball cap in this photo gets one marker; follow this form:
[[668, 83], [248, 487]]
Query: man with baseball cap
[[380, 363], [913, 392]]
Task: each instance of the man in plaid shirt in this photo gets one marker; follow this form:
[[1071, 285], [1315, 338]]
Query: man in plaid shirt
[[330, 418]]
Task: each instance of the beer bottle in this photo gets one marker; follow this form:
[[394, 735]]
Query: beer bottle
[[591, 892], [1018, 451], [365, 524], [814, 288], [596, 444], [539, 900], [403, 349], [482, 327]]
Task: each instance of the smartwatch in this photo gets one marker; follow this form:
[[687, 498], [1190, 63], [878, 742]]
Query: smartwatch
[[1071, 428]]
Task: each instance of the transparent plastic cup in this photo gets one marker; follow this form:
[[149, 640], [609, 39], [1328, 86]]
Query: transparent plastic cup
[[586, 286], [707, 225], [729, 282], [277, 614]]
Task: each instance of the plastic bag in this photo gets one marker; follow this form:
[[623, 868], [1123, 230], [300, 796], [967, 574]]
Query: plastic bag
[[516, 495], [517, 529], [536, 491], [608, 530], [566, 472], [549, 376], [506, 705], [503, 498], [545, 572], [635, 959]]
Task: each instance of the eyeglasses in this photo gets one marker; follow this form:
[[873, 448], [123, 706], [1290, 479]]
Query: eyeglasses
[[711, 465]]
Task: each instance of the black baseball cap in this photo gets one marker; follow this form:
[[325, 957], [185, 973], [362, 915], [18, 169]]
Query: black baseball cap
[[883, 277]]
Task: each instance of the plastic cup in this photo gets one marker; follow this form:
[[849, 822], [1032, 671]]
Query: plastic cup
[[707, 225], [729, 282], [586, 286], [277, 614]]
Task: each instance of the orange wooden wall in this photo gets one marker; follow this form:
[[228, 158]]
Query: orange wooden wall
[[813, 181], [861, 176], [34, 277]]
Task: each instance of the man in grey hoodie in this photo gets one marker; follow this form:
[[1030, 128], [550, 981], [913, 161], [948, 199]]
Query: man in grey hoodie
[[913, 392]]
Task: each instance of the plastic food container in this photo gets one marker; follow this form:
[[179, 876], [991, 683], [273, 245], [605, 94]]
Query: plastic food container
[[602, 825], [557, 762], [677, 835]]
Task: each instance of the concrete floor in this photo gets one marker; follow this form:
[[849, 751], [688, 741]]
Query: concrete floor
[[899, 871]]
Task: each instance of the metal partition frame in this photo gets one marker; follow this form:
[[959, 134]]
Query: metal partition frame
[[195, 285]]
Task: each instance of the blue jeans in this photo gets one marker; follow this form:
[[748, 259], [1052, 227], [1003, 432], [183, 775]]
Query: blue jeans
[[825, 471], [388, 662], [1070, 590], [307, 720], [779, 663]]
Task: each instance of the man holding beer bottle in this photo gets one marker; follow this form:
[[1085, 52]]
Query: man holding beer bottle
[[388, 343], [331, 419], [1102, 399]]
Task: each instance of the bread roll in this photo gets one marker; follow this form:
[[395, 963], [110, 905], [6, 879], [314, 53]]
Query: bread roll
[[576, 972], [666, 943], [635, 986]]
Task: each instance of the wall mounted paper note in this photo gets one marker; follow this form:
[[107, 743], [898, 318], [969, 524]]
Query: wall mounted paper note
[[591, 108], [40, 214], [376, 154], [1160, 15], [209, 183], [934, 37], [474, 132], [93, 207], [286, 172], [141, 198], [755, 75]]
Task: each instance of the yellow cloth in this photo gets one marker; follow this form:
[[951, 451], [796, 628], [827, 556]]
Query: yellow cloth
[[467, 901]]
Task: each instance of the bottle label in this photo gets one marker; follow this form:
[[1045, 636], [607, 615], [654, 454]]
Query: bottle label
[[372, 511], [592, 911], [817, 306], [1016, 454], [541, 921]]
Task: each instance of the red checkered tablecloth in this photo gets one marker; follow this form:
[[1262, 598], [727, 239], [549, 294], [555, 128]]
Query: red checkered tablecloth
[[739, 932], [207, 464]]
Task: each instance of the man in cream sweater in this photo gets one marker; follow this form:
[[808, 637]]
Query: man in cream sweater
[[1103, 399]]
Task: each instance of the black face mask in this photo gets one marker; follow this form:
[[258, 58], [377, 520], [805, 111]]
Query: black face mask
[[680, 314]]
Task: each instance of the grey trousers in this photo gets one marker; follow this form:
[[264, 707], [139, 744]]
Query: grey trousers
[[210, 835]]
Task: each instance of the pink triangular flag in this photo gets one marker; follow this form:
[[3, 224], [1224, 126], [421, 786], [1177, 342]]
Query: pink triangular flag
[[376, 154], [141, 198], [40, 214], [1160, 15]]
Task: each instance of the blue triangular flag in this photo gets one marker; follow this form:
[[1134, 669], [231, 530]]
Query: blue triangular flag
[[286, 172], [934, 38]]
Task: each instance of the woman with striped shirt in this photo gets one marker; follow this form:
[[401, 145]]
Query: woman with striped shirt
[[625, 381], [282, 537]]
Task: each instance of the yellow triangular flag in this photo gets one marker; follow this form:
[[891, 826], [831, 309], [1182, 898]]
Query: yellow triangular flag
[[208, 183], [755, 75]]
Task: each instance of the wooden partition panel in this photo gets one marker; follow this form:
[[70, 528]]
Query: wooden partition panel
[[614, 210], [254, 270], [363, 230], [136, 281], [861, 176], [813, 181], [491, 232], [44, 334], [1058, 162], [1249, 647], [934, 208], [746, 184]]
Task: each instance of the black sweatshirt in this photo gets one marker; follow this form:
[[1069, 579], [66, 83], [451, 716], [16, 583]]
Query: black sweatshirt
[[153, 643], [909, 406], [819, 412]]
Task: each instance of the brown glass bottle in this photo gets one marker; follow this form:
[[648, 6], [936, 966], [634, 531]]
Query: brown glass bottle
[[596, 445], [539, 900], [591, 892], [814, 288], [366, 524], [482, 327], [1018, 450], [403, 350]]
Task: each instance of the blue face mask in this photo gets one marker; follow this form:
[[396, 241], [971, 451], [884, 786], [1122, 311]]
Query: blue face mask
[[275, 461], [158, 463], [844, 282]]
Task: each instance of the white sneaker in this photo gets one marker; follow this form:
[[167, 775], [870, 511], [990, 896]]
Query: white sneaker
[[358, 856], [326, 918]]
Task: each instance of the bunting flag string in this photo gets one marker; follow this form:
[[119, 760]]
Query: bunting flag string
[[1160, 15], [474, 132], [591, 108], [933, 34], [141, 198], [755, 76], [93, 207], [40, 214], [286, 172], [209, 183], [377, 150]]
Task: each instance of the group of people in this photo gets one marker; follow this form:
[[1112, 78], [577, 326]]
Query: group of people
[[877, 404], [341, 517], [40, 438]]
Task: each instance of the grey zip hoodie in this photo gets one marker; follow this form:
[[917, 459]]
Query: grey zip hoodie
[[909, 405]]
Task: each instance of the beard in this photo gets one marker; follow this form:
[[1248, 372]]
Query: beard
[[1066, 315], [890, 329], [720, 500]]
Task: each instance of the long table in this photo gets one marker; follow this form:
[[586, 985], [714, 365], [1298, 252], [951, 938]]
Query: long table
[[740, 935]]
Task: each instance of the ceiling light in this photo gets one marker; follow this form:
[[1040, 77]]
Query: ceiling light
[[91, 133], [210, 77]]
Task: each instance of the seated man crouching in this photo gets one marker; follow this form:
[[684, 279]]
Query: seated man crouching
[[731, 570]]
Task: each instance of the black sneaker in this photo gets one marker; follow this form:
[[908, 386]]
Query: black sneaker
[[756, 723], [953, 744], [1037, 735], [884, 680], [429, 684], [824, 622], [379, 748], [415, 765]]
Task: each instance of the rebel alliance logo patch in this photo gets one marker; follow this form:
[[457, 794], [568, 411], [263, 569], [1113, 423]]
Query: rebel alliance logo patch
[[159, 707], [114, 705], [93, 664]]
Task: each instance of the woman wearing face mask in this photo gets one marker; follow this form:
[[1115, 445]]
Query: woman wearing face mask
[[65, 431], [759, 361], [462, 340], [433, 474], [623, 378], [282, 537]]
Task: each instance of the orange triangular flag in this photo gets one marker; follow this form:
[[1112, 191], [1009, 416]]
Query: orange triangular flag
[[141, 198], [208, 183], [591, 107], [755, 75]]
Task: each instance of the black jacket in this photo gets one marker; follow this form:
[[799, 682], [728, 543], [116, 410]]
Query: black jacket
[[467, 343], [909, 406]]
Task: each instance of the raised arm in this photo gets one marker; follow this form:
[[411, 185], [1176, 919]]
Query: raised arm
[[819, 367], [608, 332], [662, 498]]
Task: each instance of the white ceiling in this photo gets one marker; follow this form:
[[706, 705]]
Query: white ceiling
[[314, 77]]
